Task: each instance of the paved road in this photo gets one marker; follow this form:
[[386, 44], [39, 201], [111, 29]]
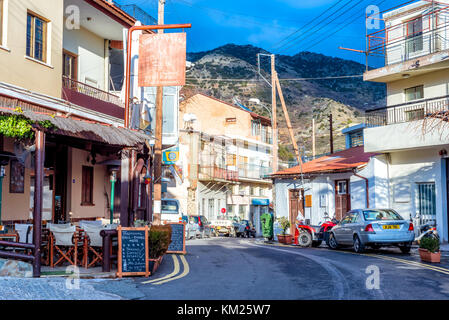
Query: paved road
[[242, 269], [223, 269]]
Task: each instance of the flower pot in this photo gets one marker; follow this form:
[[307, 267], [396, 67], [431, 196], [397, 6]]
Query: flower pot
[[428, 256], [285, 238], [154, 264]]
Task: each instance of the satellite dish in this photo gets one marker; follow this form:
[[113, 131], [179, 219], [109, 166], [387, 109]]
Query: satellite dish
[[189, 117]]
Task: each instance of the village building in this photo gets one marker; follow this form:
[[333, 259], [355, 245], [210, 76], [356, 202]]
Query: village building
[[411, 131], [63, 142], [225, 153], [331, 185]]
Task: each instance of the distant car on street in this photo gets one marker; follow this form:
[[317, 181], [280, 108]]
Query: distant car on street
[[203, 226], [374, 228], [192, 229]]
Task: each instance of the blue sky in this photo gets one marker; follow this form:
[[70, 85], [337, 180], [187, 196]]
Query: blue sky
[[265, 23]]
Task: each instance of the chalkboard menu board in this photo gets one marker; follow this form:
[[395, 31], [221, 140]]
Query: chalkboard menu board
[[133, 251], [178, 239]]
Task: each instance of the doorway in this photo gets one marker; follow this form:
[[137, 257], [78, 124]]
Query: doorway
[[342, 198], [296, 207]]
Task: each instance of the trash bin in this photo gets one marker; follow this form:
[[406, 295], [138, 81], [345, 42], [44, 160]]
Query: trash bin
[[267, 225]]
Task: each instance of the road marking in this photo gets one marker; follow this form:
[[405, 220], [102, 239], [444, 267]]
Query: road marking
[[409, 262], [174, 273], [182, 275]]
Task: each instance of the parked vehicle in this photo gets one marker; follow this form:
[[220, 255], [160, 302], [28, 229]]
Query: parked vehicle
[[246, 229], [372, 227], [224, 225], [192, 229], [170, 210], [428, 230], [306, 235], [204, 228]]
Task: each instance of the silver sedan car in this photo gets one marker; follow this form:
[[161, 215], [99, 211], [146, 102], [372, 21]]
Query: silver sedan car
[[372, 227]]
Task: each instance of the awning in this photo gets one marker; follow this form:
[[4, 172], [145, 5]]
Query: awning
[[86, 130]]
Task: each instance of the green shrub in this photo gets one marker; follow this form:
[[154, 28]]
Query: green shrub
[[284, 223], [430, 243], [159, 239]]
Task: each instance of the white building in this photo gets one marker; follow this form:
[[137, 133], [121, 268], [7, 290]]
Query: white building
[[411, 130]]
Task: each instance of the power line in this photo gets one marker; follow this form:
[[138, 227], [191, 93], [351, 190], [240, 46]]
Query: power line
[[322, 27], [290, 79], [319, 16], [336, 31]]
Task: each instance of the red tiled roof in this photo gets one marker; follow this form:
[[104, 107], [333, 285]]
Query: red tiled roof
[[337, 162]]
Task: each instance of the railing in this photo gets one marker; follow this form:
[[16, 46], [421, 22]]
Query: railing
[[137, 13], [406, 112], [411, 39], [90, 91], [214, 172], [254, 171]]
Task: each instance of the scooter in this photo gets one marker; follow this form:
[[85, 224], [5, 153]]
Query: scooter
[[428, 230]]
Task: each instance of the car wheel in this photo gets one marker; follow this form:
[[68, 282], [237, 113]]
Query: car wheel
[[405, 248], [305, 239], [332, 242], [359, 247]]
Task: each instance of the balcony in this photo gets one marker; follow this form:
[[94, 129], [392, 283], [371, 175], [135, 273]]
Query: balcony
[[215, 173], [407, 112], [254, 172], [92, 98]]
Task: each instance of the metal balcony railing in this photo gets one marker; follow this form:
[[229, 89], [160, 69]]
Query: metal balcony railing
[[90, 91], [214, 172], [411, 111]]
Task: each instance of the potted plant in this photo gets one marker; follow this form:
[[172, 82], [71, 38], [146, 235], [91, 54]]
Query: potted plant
[[429, 249], [159, 239], [284, 237]]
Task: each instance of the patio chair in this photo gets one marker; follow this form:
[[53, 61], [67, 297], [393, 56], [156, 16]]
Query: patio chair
[[25, 232], [65, 240], [93, 243], [95, 223]]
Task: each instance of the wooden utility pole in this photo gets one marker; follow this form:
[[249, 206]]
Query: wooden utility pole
[[313, 139], [158, 135], [331, 132], [287, 119], [274, 114]]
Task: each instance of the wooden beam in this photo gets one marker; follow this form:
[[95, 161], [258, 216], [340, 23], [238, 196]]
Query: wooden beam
[[38, 194], [287, 119]]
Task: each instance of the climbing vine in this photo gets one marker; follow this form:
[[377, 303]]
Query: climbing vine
[[19, 127]]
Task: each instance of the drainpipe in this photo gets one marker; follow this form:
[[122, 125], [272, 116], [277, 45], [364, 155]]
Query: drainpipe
[[367, 187]]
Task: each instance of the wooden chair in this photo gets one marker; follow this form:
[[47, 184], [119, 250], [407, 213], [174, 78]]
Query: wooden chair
[[64, 242], [93, 244]]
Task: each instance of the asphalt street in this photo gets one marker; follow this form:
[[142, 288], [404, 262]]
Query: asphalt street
[[249, 269], [240, 269]]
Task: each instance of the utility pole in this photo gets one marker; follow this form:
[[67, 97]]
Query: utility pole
[[331, 132], [313, 139], [274, 114], [158, 135]]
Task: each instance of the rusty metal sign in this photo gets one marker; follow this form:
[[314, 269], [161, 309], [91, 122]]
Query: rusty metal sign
[[162, 60]]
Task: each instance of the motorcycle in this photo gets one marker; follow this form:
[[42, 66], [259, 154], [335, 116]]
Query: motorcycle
[[428, 231], [306, 235]]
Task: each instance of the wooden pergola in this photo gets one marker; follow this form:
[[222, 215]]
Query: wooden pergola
[[135, 156]]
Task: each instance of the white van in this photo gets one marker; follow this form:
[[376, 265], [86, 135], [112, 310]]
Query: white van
[[171, 210]]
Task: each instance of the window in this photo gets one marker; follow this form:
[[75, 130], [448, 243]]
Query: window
[[426, 199], [414, 35], [87, 186], [242, 211], [356, 139], [231, 120], [69, 67], [414, 93], [169, 207], [255, 127], [342, 187], [36, 37]]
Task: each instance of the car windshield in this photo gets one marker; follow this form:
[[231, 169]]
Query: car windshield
[[194, 219], [373, 215], [169, 206]]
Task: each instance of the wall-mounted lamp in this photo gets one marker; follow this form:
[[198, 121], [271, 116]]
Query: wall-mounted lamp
[[442, 153]]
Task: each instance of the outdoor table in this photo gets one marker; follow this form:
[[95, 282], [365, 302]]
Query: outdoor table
[[10, 235]]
